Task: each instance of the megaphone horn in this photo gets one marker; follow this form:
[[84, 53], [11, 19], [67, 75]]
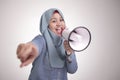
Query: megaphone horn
[[78, 39]]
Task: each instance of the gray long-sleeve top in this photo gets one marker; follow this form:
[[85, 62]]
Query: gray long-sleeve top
[[42, 70]]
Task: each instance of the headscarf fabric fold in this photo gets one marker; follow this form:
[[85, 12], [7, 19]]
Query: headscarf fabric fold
[[54, 43]]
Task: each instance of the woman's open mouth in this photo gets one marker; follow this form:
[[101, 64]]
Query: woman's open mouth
[[59, 31]]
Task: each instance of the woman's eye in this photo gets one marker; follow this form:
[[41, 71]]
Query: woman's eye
[[61, 19], [54, 21]]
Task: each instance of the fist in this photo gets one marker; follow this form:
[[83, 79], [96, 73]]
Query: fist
[[26, 53], [67, 48]]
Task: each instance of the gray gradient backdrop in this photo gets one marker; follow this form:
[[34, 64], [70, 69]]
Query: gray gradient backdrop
[[19, 22]]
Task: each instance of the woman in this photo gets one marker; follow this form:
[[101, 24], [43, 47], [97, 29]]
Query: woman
[[50, 54]]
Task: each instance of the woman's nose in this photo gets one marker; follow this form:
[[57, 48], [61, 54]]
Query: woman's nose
[[58, 23]]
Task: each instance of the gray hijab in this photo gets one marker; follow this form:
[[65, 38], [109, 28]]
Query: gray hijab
[[54, 43]]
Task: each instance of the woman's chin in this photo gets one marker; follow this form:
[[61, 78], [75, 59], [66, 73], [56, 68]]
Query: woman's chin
[[60, 35]]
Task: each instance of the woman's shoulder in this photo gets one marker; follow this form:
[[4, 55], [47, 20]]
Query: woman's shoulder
[[39, 40], [39, 37]]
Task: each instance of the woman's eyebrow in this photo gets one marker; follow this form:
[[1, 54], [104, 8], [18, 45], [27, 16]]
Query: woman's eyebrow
[[53, 18]]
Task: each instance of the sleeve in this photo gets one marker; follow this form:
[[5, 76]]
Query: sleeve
[[38, 41], [72, 64]]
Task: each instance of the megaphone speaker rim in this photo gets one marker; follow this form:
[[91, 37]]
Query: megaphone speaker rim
[[88, 42]]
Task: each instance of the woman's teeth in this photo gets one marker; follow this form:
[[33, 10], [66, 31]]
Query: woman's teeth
[[58, 30]]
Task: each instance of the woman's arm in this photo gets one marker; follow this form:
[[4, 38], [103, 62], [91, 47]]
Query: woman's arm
[[38, 41], [71, 63], [28, 52]]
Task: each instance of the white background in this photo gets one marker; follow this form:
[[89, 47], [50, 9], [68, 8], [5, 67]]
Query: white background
[[19, 23]]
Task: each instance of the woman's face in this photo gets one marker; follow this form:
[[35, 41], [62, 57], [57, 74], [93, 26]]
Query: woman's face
[[57, 24]]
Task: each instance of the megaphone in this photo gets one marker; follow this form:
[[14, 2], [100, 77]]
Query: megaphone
[[78, 39]]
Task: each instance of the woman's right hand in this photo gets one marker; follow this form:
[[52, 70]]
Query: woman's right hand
[[26, 52]]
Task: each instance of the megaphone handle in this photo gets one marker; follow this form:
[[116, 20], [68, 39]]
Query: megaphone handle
[[68, 57]]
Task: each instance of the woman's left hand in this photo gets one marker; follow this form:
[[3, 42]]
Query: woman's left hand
[[67, 48]]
